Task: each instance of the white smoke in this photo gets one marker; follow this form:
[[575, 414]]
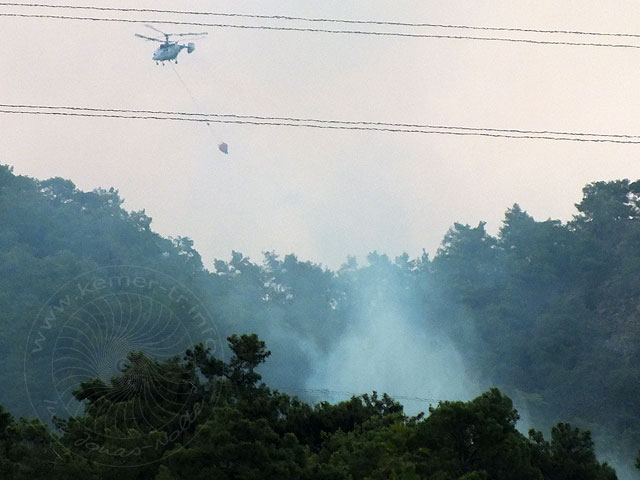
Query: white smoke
[[383, 350]]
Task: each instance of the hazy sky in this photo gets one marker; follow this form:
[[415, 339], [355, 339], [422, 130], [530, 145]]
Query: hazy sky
[[324, 194]]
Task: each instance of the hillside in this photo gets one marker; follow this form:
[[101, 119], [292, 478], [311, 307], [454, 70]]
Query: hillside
[[548, 311]]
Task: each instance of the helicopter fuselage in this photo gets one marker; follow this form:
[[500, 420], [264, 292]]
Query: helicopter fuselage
[[167, 51]]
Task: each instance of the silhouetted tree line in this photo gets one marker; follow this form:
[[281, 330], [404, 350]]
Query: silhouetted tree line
[[546, 310], [199, 417]]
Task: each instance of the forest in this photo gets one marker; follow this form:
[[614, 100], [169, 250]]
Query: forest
[[544, 312], [199, 417]]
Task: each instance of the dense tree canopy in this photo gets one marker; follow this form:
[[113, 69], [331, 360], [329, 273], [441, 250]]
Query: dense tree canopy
[[243, 430], [546, 310]]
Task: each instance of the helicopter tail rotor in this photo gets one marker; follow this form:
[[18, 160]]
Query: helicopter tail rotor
[[190, 47]]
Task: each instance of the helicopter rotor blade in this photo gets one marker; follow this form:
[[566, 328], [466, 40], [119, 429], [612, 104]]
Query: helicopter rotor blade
[[154, 28], [188, 34], [149, 38]]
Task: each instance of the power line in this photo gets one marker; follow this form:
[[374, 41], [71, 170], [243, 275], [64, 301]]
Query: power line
[[322, 121], [322, 20], [267, 121], [326, 391], [321, 30]]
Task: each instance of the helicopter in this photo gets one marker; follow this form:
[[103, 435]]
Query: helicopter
[[169, 50]]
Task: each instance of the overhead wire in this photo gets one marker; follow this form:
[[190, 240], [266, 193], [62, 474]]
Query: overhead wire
[[310, 122], [317, 123], [320, 30], [326, 391], [321, 121], [320, 19]]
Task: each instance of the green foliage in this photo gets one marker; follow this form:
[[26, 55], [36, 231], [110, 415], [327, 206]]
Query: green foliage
[[249, 352], [545, 309], [555, 307], [569, 456], [51, 232], [250, 432], [478, 436], [231, 446]]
